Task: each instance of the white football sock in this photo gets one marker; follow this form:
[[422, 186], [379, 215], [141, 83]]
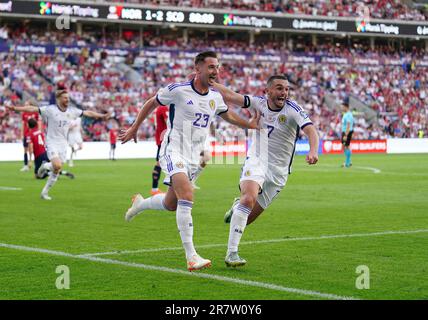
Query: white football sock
[[237, 226], [153, 203], [185, 226], [51, 181]]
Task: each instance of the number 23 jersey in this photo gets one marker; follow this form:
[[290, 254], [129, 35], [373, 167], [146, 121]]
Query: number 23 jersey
[[190, 116]]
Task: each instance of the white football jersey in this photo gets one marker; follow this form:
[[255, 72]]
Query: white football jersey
[[275, 144], [75, 126], [190, 117], [58, 123]]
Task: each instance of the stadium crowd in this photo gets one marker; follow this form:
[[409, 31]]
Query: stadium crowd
[[381, 9], [398, 94]]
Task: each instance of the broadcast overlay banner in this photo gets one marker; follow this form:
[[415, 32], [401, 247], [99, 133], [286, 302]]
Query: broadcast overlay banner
[[108, 12]]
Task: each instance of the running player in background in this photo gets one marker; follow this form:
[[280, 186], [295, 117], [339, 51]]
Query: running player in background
[[36, 146], [24, 136], [269, 159], [192, 108], [74, 138], [347, 131], [58, 118], [112, 139], [161, 117]]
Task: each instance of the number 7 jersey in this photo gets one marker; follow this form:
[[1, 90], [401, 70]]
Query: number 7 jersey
[[275, 144], [190, 116]]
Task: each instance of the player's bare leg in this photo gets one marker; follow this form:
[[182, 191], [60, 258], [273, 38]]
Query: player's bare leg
[[161, 201], [56, 165], [241, 212], [184, 193]]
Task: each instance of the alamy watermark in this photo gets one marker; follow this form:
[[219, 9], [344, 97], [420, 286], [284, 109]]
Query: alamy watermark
[[363, 278], [63, 22], [63, 280]]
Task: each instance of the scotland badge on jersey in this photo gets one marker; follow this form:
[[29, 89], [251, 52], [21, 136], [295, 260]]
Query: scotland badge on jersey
[[282, 118], [212, 104]]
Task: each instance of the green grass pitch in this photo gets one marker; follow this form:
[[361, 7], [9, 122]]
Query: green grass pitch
[[324, 224]]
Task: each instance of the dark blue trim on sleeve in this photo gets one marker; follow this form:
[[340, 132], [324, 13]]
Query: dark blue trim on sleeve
[[223, 111], [157, 99], [40, 111], [306, 124]]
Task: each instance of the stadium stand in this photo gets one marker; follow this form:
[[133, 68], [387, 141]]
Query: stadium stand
[[397, 92]]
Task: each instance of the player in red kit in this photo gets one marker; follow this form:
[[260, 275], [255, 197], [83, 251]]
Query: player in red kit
[[112, 138], [36, 146], [161, 117], [25, 131]]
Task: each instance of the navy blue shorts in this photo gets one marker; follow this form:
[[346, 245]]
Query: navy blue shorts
[[39, 160], [346, 139]]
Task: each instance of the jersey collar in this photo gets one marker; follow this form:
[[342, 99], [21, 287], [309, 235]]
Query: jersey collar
[[60, 108], [194, 89], [267, 102]]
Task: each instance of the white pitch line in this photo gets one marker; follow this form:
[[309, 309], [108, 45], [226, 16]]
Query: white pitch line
[[217, 245], [374, 170], [10, 188], [251, 283]]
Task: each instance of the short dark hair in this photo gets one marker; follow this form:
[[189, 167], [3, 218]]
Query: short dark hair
[[276, 77], [345, 102], [32, 123], [203, 55]]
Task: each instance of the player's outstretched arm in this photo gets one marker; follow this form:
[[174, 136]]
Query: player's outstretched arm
[[312, 134], [230, 96], [231, 117], [96, 115], [131, 133], [26, 108]]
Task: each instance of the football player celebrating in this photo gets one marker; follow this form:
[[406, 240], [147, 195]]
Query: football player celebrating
[[269, 159], [192, 107], [58, 118], [36, 146]]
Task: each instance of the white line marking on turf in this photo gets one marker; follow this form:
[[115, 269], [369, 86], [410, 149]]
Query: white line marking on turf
[[374, 170], [251, 283], [216, 245], [10, 188]]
